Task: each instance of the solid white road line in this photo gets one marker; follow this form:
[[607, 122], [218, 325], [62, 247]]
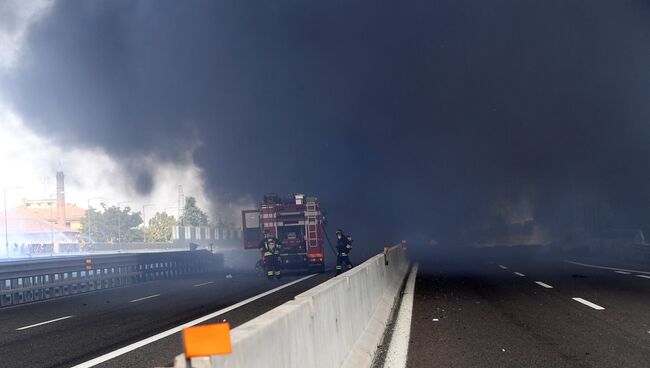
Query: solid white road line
[[146, 297], [162, 335], [588, 303], [644, 276], [519, 274], [43, 323], [503, 267], [622, 272], [399, 343], [205, 283], [606, 268], [544, 285]]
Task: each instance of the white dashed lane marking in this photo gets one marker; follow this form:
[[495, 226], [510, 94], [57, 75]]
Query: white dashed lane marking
[[544, 285], [503, 267], [146, 297], [589, 304], [622, 272], [519, 274], [43, 323], [205, 283], [643, 276]]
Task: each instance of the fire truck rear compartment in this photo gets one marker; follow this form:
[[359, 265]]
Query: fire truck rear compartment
[[293, 254], [295, 222]]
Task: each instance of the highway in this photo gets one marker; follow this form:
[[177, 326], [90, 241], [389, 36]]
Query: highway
[[75, 330], [501, 307], [519, 308]]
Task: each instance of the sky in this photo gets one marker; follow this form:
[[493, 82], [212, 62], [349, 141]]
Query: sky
[[31, 159], [433, 120]]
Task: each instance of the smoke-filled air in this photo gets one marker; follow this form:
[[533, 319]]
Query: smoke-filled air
[[450, 122]]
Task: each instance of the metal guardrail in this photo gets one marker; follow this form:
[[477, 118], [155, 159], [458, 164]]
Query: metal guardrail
[[33, 280], [98, 247], [126, 247]]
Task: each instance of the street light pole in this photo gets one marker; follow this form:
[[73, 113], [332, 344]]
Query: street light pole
[[4, 192], [119, 224]]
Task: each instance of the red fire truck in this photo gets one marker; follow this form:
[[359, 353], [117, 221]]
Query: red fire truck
[[296, 222]]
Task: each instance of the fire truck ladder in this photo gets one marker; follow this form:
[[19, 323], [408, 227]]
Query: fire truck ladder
[[312, 224]]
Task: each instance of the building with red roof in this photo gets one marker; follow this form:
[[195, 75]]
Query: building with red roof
[[43, 221]]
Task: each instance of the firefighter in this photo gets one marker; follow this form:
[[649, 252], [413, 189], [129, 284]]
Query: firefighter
[[343, 248], [270, 248]]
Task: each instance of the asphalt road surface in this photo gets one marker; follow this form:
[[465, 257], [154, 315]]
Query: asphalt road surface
[[518, 308], [73, 330]]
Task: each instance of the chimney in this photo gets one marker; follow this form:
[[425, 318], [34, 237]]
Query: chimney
[[60, 199]]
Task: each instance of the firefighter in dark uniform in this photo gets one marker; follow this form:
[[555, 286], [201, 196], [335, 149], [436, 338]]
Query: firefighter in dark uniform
[[270, 248], [343, 248]]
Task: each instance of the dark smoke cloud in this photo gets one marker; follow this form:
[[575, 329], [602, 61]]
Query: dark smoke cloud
[[144, 183], [406, 119]]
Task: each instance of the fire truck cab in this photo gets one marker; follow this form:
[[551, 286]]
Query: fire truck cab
[[296, 222]]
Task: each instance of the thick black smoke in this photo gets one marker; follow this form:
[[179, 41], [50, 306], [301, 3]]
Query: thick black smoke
[[419, 118]]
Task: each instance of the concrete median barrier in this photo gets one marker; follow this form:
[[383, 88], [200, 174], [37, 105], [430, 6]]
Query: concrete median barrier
[[336, 324]]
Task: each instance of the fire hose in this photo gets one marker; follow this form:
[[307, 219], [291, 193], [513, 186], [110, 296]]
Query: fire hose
[[328, 239]]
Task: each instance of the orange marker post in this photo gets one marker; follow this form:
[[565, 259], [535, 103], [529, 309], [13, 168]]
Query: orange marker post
[[207, 340]]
